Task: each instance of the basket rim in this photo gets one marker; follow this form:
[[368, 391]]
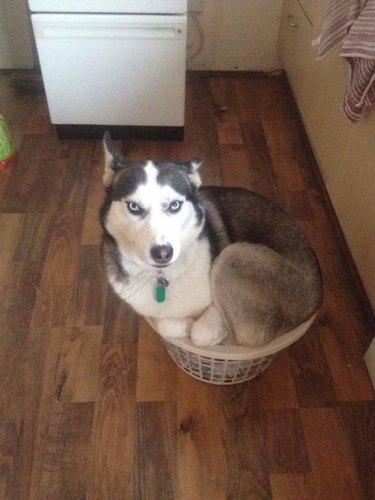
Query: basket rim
[[239, 352]]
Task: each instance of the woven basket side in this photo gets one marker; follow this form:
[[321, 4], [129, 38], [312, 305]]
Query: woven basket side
[[217, 371]]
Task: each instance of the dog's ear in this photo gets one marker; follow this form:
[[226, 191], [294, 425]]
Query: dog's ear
[[192, 169], [113, 160]]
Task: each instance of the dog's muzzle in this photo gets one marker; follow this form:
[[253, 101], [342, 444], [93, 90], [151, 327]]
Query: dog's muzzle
[[162, 254]]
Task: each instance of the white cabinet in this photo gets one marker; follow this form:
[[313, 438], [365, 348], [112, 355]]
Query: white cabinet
[[117, 69], [345, 151]]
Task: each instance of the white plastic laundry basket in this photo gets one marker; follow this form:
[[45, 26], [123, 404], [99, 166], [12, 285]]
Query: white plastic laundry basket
[[231, 364]]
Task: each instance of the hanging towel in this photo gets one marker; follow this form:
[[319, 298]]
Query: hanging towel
[[353, 23], [338, 17], [359, 50]]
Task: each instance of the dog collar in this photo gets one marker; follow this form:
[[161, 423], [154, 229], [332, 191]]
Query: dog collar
[[160, 290]]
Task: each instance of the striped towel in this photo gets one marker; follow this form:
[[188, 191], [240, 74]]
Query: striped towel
[[353, 23]]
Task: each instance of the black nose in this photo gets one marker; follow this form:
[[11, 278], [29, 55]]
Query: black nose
[[162, 254]]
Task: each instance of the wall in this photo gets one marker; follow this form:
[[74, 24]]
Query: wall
[[238, 35], [348, 168], [15, 35], [345, 151]]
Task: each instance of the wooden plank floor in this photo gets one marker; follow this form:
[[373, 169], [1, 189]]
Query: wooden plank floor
[[90, 404]]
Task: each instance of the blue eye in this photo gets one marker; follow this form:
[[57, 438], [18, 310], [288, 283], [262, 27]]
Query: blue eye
[[134, 208], [175, 206]]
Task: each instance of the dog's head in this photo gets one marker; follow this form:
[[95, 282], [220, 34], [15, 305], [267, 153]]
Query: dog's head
[[152, 209]]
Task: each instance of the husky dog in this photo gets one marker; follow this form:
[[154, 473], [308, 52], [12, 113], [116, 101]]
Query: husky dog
[[204, 262]]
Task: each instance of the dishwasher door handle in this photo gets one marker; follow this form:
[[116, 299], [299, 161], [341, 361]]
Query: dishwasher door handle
[[102, 27]]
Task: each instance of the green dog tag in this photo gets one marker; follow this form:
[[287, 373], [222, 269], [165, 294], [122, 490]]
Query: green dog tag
[[160, 293]]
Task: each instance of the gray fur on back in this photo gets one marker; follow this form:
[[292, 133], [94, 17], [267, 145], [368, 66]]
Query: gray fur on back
[[265, 278]]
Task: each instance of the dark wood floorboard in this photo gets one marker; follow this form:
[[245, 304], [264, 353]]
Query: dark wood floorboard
[[91, 406]]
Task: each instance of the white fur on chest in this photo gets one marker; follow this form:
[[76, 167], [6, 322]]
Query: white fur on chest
[[188, 293]]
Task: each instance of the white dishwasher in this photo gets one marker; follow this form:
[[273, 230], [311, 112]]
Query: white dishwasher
[[113, 64]]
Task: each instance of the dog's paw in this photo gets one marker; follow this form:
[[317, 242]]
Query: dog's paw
[[209, 329], [175, 328]]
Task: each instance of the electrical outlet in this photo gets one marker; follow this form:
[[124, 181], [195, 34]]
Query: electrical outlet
[[195, 5]]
